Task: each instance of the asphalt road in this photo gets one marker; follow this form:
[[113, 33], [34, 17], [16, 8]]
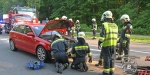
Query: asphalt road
[[14, 63]]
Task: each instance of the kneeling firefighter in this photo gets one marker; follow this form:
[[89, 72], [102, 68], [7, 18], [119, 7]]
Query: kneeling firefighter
[[79, 52], [59, 48]]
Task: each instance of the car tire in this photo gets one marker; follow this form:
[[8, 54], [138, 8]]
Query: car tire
[[41, 53], [12, 45]]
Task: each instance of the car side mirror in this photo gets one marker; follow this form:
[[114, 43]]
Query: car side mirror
[[30, 34]]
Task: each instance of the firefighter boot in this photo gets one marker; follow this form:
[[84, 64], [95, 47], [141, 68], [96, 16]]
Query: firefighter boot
[[81, 67], [61, 68], [119, 58], [99, 63], [85, 67], [57, 67]]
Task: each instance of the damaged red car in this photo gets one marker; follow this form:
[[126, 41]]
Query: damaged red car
[[37, 38]]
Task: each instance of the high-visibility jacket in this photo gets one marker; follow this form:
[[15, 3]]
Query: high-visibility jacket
[[111, 34]]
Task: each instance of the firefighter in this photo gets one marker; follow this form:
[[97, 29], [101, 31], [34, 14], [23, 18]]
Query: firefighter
[[59, 48], [108, 36], [72, 29], [94, 27], [79, 52], [69, 28], [125, 36], [78, 28]]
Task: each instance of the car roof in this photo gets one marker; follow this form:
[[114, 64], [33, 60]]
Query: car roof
[[33, 24]]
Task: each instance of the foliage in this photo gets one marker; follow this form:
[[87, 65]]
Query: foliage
[[85, 10]]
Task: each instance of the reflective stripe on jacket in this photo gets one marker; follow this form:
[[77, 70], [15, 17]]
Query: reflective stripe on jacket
[[111, 34], [59, 45]]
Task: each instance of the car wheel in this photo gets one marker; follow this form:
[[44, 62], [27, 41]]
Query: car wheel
[[12, 45], [41, 54]]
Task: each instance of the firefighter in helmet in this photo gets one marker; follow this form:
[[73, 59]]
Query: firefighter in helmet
[[94, 27], [59, 48], [78, 28], [125, 36], [108, 36], [79, 52]]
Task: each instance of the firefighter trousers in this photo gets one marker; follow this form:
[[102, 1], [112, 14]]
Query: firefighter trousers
[[61, 57], [77, 61], [108, 54], [124, 47]]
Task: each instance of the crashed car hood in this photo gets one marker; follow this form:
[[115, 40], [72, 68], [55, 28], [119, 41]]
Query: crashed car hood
[[57, 25]]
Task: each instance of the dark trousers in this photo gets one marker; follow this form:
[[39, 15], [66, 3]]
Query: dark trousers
[[94, 32], [61, 57], [124, 47], [108, 54], [77, 61], [78, 31]]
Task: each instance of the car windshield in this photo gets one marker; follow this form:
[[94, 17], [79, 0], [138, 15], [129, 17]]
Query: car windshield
[[37, 29]]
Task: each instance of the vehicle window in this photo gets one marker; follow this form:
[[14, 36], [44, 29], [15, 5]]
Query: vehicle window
[[19, 28], [37, 29], [23, 17], [27, 30]]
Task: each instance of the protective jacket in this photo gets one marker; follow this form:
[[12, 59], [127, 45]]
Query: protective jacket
[[126, 30], [59, 45], [80, 49], [109, 34]]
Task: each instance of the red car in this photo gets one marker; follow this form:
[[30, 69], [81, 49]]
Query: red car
[[36, 38]]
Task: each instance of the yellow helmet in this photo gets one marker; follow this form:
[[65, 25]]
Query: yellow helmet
[[56, 18]]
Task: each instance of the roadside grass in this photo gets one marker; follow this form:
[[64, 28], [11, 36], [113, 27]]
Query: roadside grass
[[134, 38], [140, 39]]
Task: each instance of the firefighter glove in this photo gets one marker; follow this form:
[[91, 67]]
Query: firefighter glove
[[90, 59]]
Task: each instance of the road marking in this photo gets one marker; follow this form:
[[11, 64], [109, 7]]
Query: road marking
[[3, 39], [144, 52]]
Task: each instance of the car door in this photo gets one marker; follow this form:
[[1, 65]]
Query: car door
[[17, 36], [29, 42]]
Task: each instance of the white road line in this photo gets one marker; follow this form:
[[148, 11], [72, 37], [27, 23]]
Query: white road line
[[144, 52], [3, 39]]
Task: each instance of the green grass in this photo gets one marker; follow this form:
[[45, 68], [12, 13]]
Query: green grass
[[140, 39], [134, 38]]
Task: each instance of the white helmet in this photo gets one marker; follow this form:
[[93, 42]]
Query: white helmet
[[125, 17], [81, 35], [58, 35], [70, 19], [77, 21], [93, 19], [106, 14], [64, 17]]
